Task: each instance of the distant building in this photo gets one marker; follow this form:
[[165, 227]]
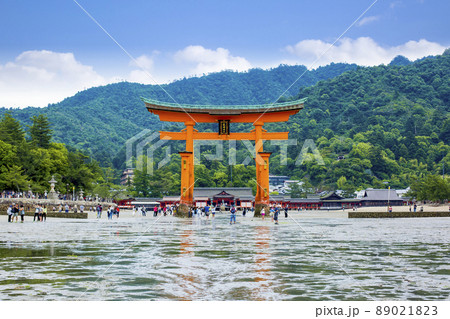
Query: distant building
[[146, 202], [275, 180], [402, 192], [288, 183], [242, 197], [381, 197], [333, 200], [125, 203], [360, 194], [217, 196], [127, 174]]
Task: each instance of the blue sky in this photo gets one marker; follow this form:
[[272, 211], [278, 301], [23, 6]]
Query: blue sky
[[51, 49]]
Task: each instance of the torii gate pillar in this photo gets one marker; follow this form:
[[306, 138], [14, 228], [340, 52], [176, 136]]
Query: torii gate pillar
[[262, 178], [187, 176]]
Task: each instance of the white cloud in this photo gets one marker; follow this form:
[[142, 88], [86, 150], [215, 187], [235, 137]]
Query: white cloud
[[203, 60], [36, 78], [143, 62], [362, 51], [367, 20], [143, 74], [395, 4]]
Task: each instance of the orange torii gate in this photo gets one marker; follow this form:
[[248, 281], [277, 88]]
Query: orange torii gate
[[224, 115]]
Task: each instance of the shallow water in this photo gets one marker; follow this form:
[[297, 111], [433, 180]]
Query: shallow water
[[173, 259]]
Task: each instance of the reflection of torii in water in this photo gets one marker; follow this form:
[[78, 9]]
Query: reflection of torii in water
[[188, 281], [191, 115], [262, 261]]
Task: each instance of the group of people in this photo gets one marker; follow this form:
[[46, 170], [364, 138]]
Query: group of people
[[110, 212], [14, 211], [68, 208], [157, 210], [274, 212], [40, 213]]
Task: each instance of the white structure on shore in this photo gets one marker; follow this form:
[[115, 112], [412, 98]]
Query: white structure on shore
[[285, 187]]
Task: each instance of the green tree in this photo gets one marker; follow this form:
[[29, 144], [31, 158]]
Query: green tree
[[432, 187], [347, 187], [13, 178], [40, 131], [295, 190], [11, 131]]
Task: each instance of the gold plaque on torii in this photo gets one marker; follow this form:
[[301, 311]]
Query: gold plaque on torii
[[224, 127]]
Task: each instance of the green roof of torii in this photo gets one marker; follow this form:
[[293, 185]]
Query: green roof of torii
[[154, 104]]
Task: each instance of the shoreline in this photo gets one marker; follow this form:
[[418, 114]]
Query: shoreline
[[366, 212]]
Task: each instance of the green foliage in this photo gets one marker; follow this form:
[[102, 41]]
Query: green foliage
[[432, 187], [40, 131], [24, 165], [150, 182], [371, 125], [100, 120], [11, 131], [295, 190], [347, 188], [383, 124], [12, 178]]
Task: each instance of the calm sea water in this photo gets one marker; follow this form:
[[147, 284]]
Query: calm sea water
[[174, 259]]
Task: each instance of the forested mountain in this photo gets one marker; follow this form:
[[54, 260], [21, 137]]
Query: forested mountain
[[373, 126], [100, 120], [376, 124]]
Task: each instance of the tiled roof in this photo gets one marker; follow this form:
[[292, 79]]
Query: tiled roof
[[211, 191], [224, 109], [381, 195], [305, 200]]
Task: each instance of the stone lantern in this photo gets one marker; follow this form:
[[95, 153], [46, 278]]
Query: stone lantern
[[81, 195], [52, 194]]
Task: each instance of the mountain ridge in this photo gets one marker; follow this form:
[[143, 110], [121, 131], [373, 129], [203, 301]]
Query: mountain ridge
[[99, 120]]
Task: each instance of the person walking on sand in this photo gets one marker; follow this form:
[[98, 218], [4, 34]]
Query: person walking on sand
[[22, 213], [10, 213], [275, 215], [207, 211], [286, 211], [36, 213], [213, 213], [44, 214], [15, 211], [99, 211], [263, 212], [232, 215]]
